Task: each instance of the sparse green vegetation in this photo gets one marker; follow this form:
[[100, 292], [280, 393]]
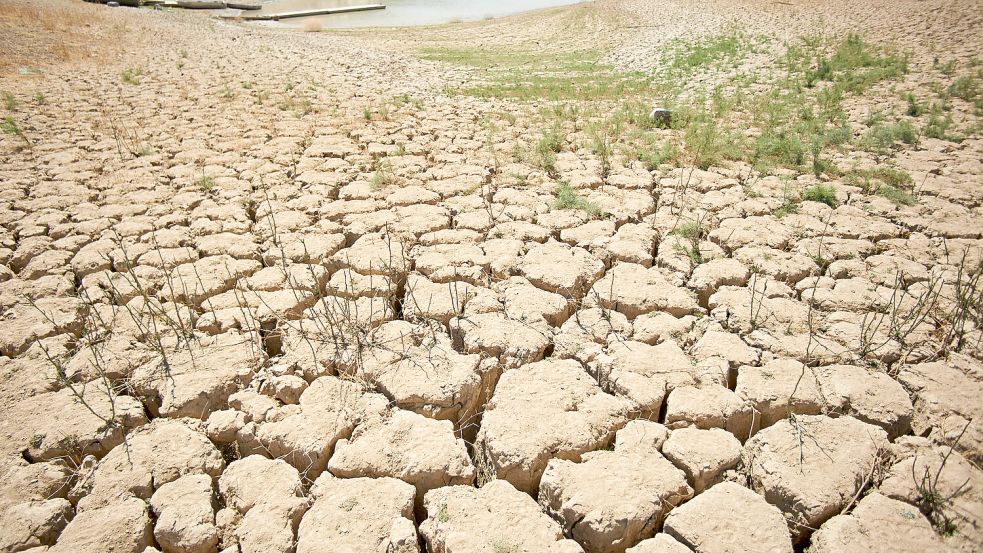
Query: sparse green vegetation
[[790, 203], [881, 138], [692, 232], [896, 195], [9, 126], [788, 208], [728, 47], [502, 546], [654, 155], [549, 144], [600, 145], [537, 74], [707, 141], [966, 88], [300, 105], [567, 198], [822, 193], [915, 109], [384, 175], [947, 68], [9, 101], [889, 182], [131, 75], [206, 183], [853, 66], [938, 126], [893, 177]]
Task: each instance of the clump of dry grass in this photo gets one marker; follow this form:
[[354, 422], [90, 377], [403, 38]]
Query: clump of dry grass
[[39, 33]]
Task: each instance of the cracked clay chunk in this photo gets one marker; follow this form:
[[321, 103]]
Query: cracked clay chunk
[[495, 517], [635, 290], [729, 518], [408, 446], [703, 455], [543, 410], [614, 499], [811, 467], [198, 379], [878, 524], [557, 267], [154, 454], [121, 527], [359, 515]]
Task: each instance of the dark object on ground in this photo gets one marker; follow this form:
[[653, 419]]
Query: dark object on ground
[[661, 116]]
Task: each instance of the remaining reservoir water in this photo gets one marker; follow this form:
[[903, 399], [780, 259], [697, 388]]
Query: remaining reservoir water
[[400, 13]]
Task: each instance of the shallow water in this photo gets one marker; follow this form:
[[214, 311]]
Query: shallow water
[[399, 13]]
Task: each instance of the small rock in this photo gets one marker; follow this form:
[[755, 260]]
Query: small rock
[[33, 523], [286, 388], [661, 543]]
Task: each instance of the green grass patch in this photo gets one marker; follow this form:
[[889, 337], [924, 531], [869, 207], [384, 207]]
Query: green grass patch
[[938, 126], [728, 48], [206, 183], [653, 154], [966, 88], [383, 176], [131, 75], [9, 101], [889, 182], [897, 196], [822, 193], [9, 126], [882, 138], [689, 231], [567, 198], [788, 208], [853, 65], [534, 74]]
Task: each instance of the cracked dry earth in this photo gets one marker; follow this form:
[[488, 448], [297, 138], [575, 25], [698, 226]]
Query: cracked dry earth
[[272, 291]]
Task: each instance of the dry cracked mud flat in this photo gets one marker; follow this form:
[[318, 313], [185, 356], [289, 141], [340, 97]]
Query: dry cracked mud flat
[[454, 290]]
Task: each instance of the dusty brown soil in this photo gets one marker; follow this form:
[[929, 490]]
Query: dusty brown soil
[[265, 290]]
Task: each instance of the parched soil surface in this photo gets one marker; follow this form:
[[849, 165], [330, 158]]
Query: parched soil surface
[[458, 288]]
